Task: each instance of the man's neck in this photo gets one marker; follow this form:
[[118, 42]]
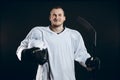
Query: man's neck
[[57, 29]]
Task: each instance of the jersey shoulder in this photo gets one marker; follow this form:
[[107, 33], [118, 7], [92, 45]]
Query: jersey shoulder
[[74, 32]]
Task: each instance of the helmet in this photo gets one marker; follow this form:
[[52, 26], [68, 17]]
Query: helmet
[[37, 43]]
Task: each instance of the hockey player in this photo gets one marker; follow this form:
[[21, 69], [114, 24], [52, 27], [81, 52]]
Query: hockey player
[[55, 48]]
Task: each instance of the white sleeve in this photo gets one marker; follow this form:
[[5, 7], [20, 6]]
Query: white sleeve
[[34, 34], [22, 46], [80, 50]]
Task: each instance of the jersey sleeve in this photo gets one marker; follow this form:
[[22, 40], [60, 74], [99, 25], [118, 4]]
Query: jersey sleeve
[[34, 34], [80, 51]]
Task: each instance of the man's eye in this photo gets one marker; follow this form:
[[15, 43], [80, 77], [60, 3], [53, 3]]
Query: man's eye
[[60, 15], [53, 15]]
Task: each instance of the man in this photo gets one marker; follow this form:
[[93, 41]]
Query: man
[[55, 49]]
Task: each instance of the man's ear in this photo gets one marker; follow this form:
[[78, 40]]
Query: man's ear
[[64, 18]]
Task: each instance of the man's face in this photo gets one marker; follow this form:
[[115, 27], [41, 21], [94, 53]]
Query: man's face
[[57, 17]]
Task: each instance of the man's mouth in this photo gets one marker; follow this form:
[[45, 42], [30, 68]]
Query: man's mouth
[[55, 20]]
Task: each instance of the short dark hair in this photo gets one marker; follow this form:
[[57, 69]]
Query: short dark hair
[[57, 7]]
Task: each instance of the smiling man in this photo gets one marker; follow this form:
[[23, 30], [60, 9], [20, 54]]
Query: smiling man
[[55, 48], [57, 19]]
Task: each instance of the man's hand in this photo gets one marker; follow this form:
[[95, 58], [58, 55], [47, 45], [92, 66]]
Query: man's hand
[[41, 56], [93, 63], [35, 55]]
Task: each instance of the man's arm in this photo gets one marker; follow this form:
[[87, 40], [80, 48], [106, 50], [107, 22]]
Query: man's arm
[[29, 51]]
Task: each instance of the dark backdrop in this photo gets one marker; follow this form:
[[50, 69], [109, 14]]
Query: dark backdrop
[[19, 17]]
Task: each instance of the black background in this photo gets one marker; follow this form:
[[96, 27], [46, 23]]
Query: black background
[[19, 17]]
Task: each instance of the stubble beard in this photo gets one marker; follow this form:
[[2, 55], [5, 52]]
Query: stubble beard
[[53, 25]]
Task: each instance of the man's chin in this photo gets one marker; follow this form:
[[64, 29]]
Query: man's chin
[[57, 25]]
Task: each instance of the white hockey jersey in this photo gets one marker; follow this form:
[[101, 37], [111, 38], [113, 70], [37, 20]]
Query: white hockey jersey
[[63, 49]]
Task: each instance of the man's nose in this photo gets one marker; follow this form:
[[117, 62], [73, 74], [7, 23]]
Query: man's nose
[[56, 16]]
